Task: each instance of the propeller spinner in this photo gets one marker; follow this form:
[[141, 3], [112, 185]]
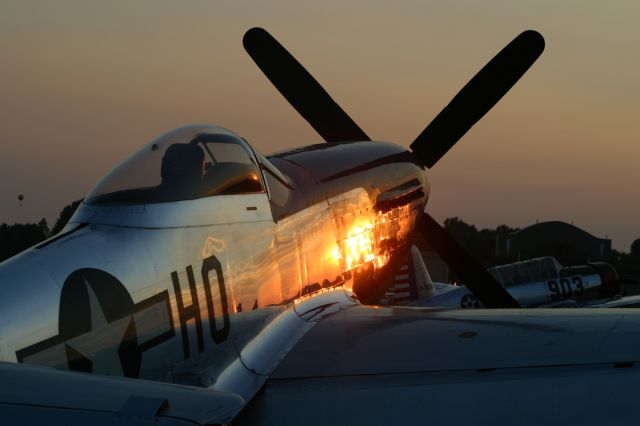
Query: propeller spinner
[[475, 99]]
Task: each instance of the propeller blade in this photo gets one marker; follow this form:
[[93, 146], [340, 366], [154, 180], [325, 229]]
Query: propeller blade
[[302, 91], [480, 282], [475, 99]]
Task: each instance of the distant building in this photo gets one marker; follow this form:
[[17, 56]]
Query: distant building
[[567, 243]]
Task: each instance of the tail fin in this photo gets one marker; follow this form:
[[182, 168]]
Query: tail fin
[[422, 279], [412, 282]]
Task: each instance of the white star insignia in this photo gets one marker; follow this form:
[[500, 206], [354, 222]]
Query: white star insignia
[[101, 343]]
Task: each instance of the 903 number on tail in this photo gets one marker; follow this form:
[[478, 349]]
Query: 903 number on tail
[[566, 288]]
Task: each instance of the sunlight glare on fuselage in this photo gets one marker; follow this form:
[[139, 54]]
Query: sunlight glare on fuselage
[[359, 246]]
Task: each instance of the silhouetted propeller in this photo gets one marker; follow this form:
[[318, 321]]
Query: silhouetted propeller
[[480, 282], [475, 99], [302, 91], [484, 90]]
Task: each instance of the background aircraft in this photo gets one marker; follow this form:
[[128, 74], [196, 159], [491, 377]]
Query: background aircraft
[[540, 282], [202, 283]]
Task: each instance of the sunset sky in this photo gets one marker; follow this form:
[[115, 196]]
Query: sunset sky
[[85, 83]]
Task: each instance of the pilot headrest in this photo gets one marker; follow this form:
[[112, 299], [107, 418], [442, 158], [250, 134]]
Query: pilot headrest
[[182, 160]]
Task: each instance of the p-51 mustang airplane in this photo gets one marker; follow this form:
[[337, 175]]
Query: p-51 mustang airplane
[[203, 283]]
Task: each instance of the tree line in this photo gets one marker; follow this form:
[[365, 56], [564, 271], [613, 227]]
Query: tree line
[[481, 243], [20, 236]]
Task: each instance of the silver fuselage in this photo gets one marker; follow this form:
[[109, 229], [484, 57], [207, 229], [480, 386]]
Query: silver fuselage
[[185, 291]]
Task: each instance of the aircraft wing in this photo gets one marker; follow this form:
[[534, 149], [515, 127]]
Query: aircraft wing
[[358, 364], [404, 365], [34, 395]]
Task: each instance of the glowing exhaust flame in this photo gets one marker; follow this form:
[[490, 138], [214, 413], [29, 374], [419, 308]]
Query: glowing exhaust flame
[[369, 236], [359, 247]]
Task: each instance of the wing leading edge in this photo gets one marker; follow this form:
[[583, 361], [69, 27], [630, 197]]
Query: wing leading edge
[[35, 395]]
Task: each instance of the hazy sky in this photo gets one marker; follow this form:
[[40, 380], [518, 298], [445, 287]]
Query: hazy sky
[[85, 83]]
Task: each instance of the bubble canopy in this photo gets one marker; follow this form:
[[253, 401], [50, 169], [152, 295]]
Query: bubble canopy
[[184, 164]]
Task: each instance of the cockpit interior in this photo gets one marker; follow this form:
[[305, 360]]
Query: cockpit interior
[[184, 164]]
